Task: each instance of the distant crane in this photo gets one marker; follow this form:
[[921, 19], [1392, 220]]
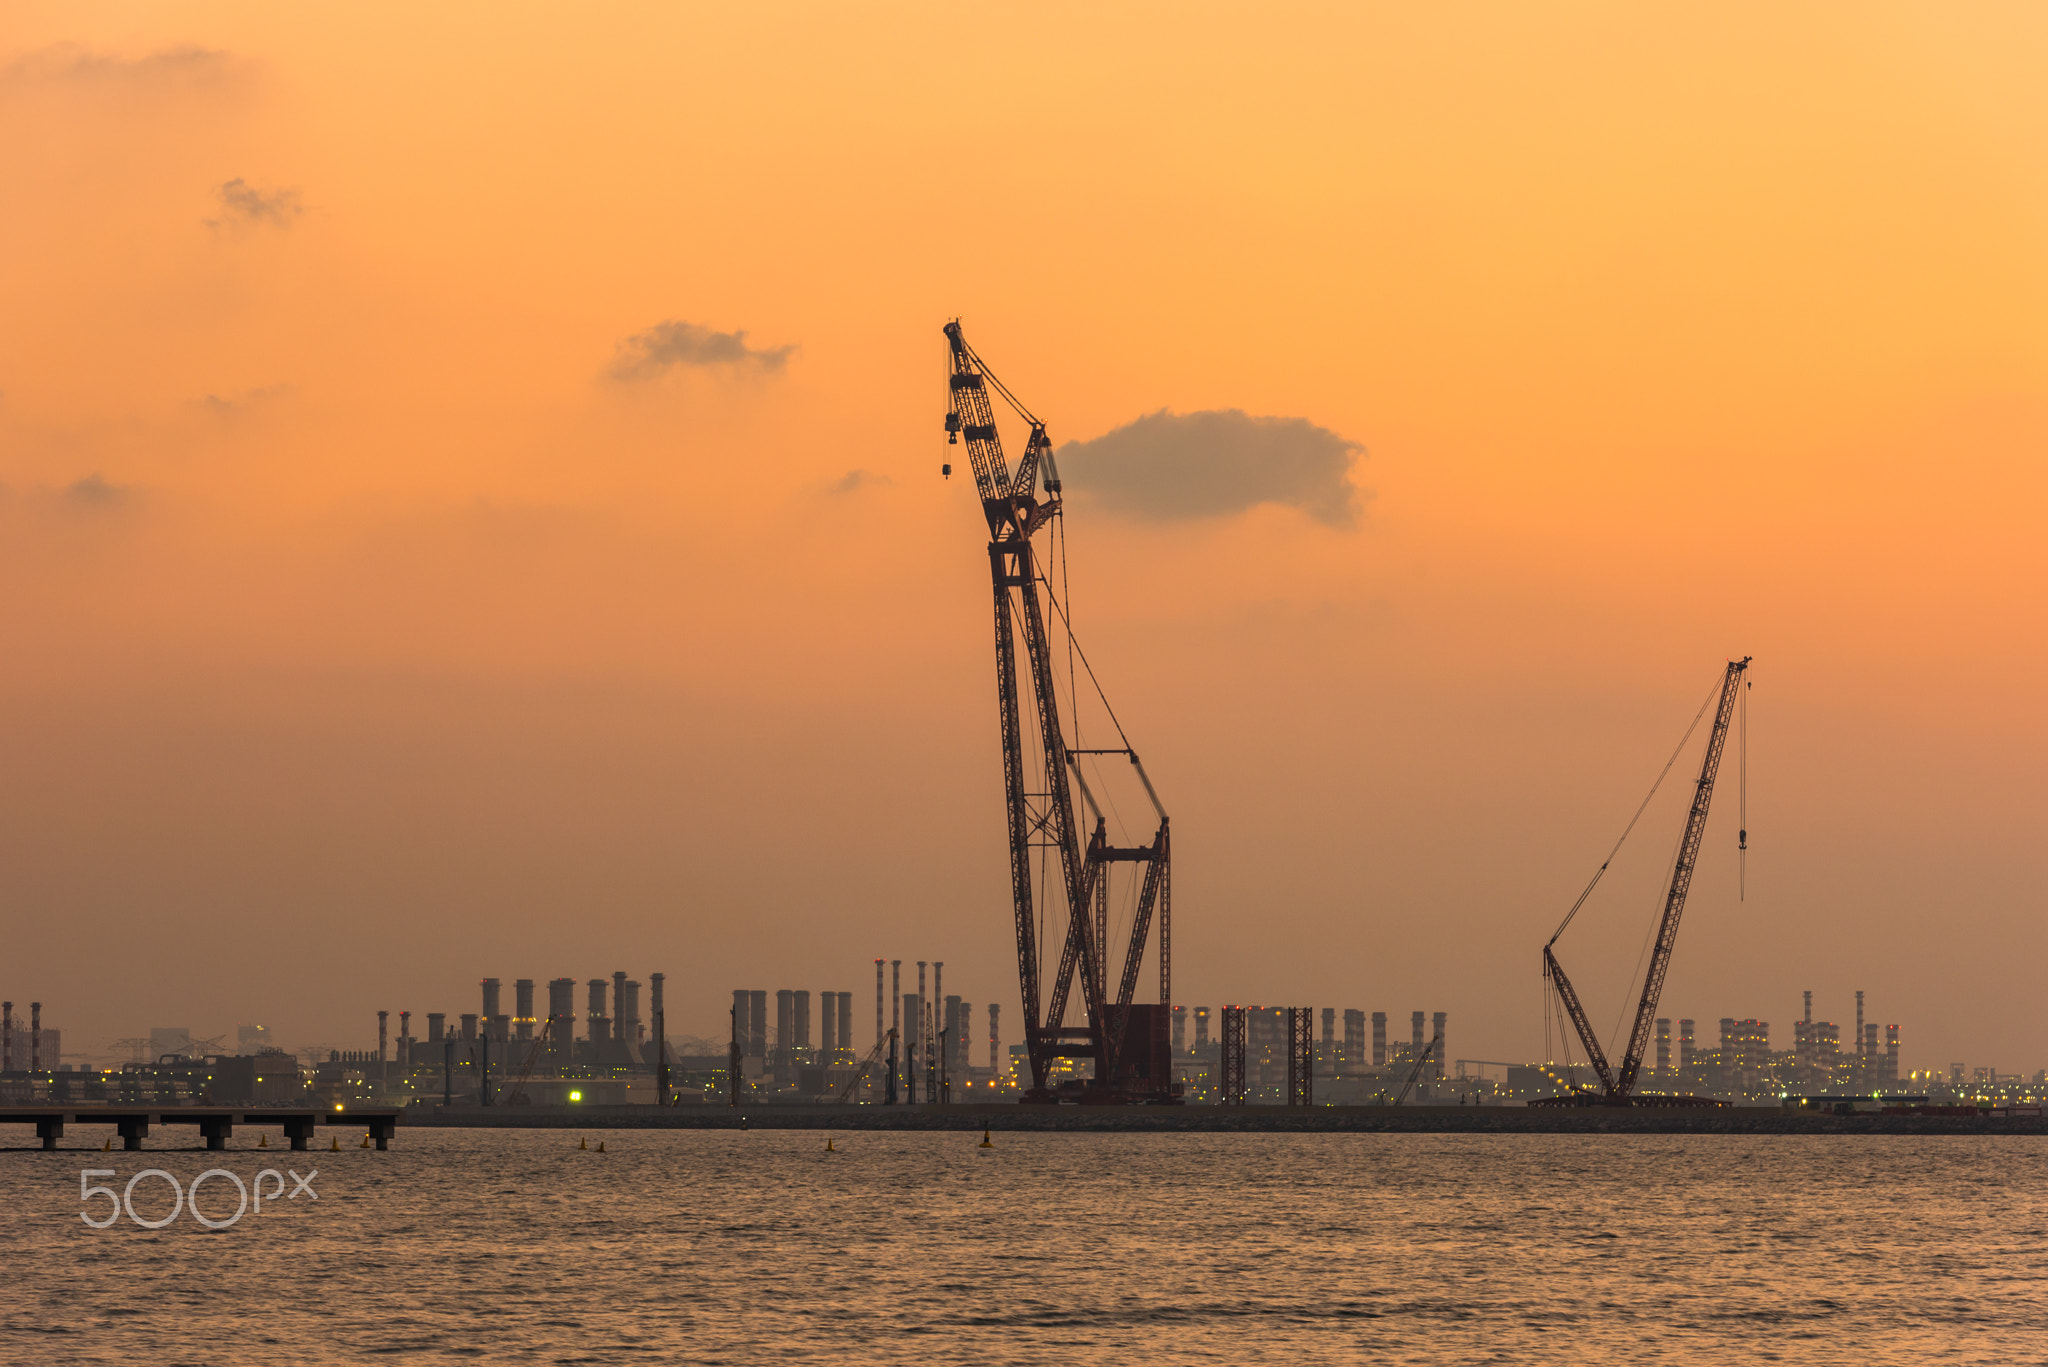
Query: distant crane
[[518, 1095], [1617, 1087], [1416, 1071], [1126, 1041], [860, 1074]]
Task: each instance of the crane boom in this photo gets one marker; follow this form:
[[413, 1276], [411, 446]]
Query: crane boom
[[1618, 1086], [1681, 878]]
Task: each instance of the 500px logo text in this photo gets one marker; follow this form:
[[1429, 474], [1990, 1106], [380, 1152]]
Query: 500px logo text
[[183, 1197]]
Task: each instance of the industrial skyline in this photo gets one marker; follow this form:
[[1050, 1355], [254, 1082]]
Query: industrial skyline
[[415, 548]]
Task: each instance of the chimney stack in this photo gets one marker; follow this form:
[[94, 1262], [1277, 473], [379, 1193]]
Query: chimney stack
[[1437, 1060], [6, 1037], [846, 1026], [490, 998], [35, 1037], [1201, 1029], [405, 1039], [1415, 1030], [437, 1026], [619, 1007], [522, 1008], [995, 1054], [828, 1028], [1862, 1055], [1379, 1039], [757, 1047]]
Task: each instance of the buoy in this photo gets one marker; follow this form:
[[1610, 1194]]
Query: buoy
[[334, 1144], [600, 1146], [263, 1141], [108, 1147], [829, 1148], [583, 1144], [986, 1142], [366, 1140]]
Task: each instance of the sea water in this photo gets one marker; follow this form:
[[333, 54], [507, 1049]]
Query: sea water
[[761, 1247]]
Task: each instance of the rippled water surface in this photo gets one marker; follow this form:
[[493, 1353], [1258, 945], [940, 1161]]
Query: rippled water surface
[[751, 1247]]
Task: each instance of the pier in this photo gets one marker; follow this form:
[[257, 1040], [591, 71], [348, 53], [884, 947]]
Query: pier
[[215, 1123]]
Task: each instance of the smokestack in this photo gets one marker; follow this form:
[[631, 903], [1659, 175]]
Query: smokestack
[[1330, 1033], [562, 1015], [619, 1006], [468, 1029], [878, 1004], [1201, 1028], [1180, 1030], [802, 1001], [1441, 1047], [597, 1022], [629, 1026], [920, 990], [785, 1032], [1379, 1039], [958, 1016], [896, 999], [522, 1007], [383, 1036], [846, 1025], [6, 1037], [828, 1027], [1354, 1039], [994, 1034], [405, 1039], [1891, 1054], [1861, 1053], [490, 998], [938, 992], [437, 1026], [1663, 1044], [1686, 1041], [35, 1037], [1415, 1029], [659, 1014], [757, 1047]]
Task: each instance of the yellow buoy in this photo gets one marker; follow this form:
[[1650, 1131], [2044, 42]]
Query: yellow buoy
[[334, 1143], [600, 1146], [366, 1140], [583, 1144], [262, 1141], [829, 1148], [108, 1147], [986, 1142]]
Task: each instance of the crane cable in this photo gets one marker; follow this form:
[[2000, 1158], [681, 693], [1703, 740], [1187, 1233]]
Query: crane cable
[[1662, 774]]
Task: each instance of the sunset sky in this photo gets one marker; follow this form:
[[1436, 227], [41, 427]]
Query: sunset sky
[[470, 497]]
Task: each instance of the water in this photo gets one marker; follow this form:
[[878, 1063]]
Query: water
[[753, 1247]]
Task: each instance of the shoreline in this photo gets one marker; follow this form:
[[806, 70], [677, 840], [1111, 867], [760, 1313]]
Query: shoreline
[[1215, 1120]]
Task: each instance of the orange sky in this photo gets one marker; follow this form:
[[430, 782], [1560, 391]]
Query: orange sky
[[367, 633]]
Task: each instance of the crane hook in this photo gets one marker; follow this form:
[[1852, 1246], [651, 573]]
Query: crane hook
[[946, 470]]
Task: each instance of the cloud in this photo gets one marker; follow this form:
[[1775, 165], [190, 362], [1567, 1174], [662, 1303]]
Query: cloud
[[246, 206], [1170, 466], [224, 406], [855, 480], [72, 63], [95, 492], [673, 342]]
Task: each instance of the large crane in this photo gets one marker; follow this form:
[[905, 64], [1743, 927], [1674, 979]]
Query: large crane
[[1617, 1086], [1126, 1041]]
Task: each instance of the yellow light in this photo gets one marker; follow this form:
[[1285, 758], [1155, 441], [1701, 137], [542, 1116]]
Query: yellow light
[[575, 1096]]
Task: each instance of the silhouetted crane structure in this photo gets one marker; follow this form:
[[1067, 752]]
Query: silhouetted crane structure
[[1127, 1041], [1617, 1088]]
